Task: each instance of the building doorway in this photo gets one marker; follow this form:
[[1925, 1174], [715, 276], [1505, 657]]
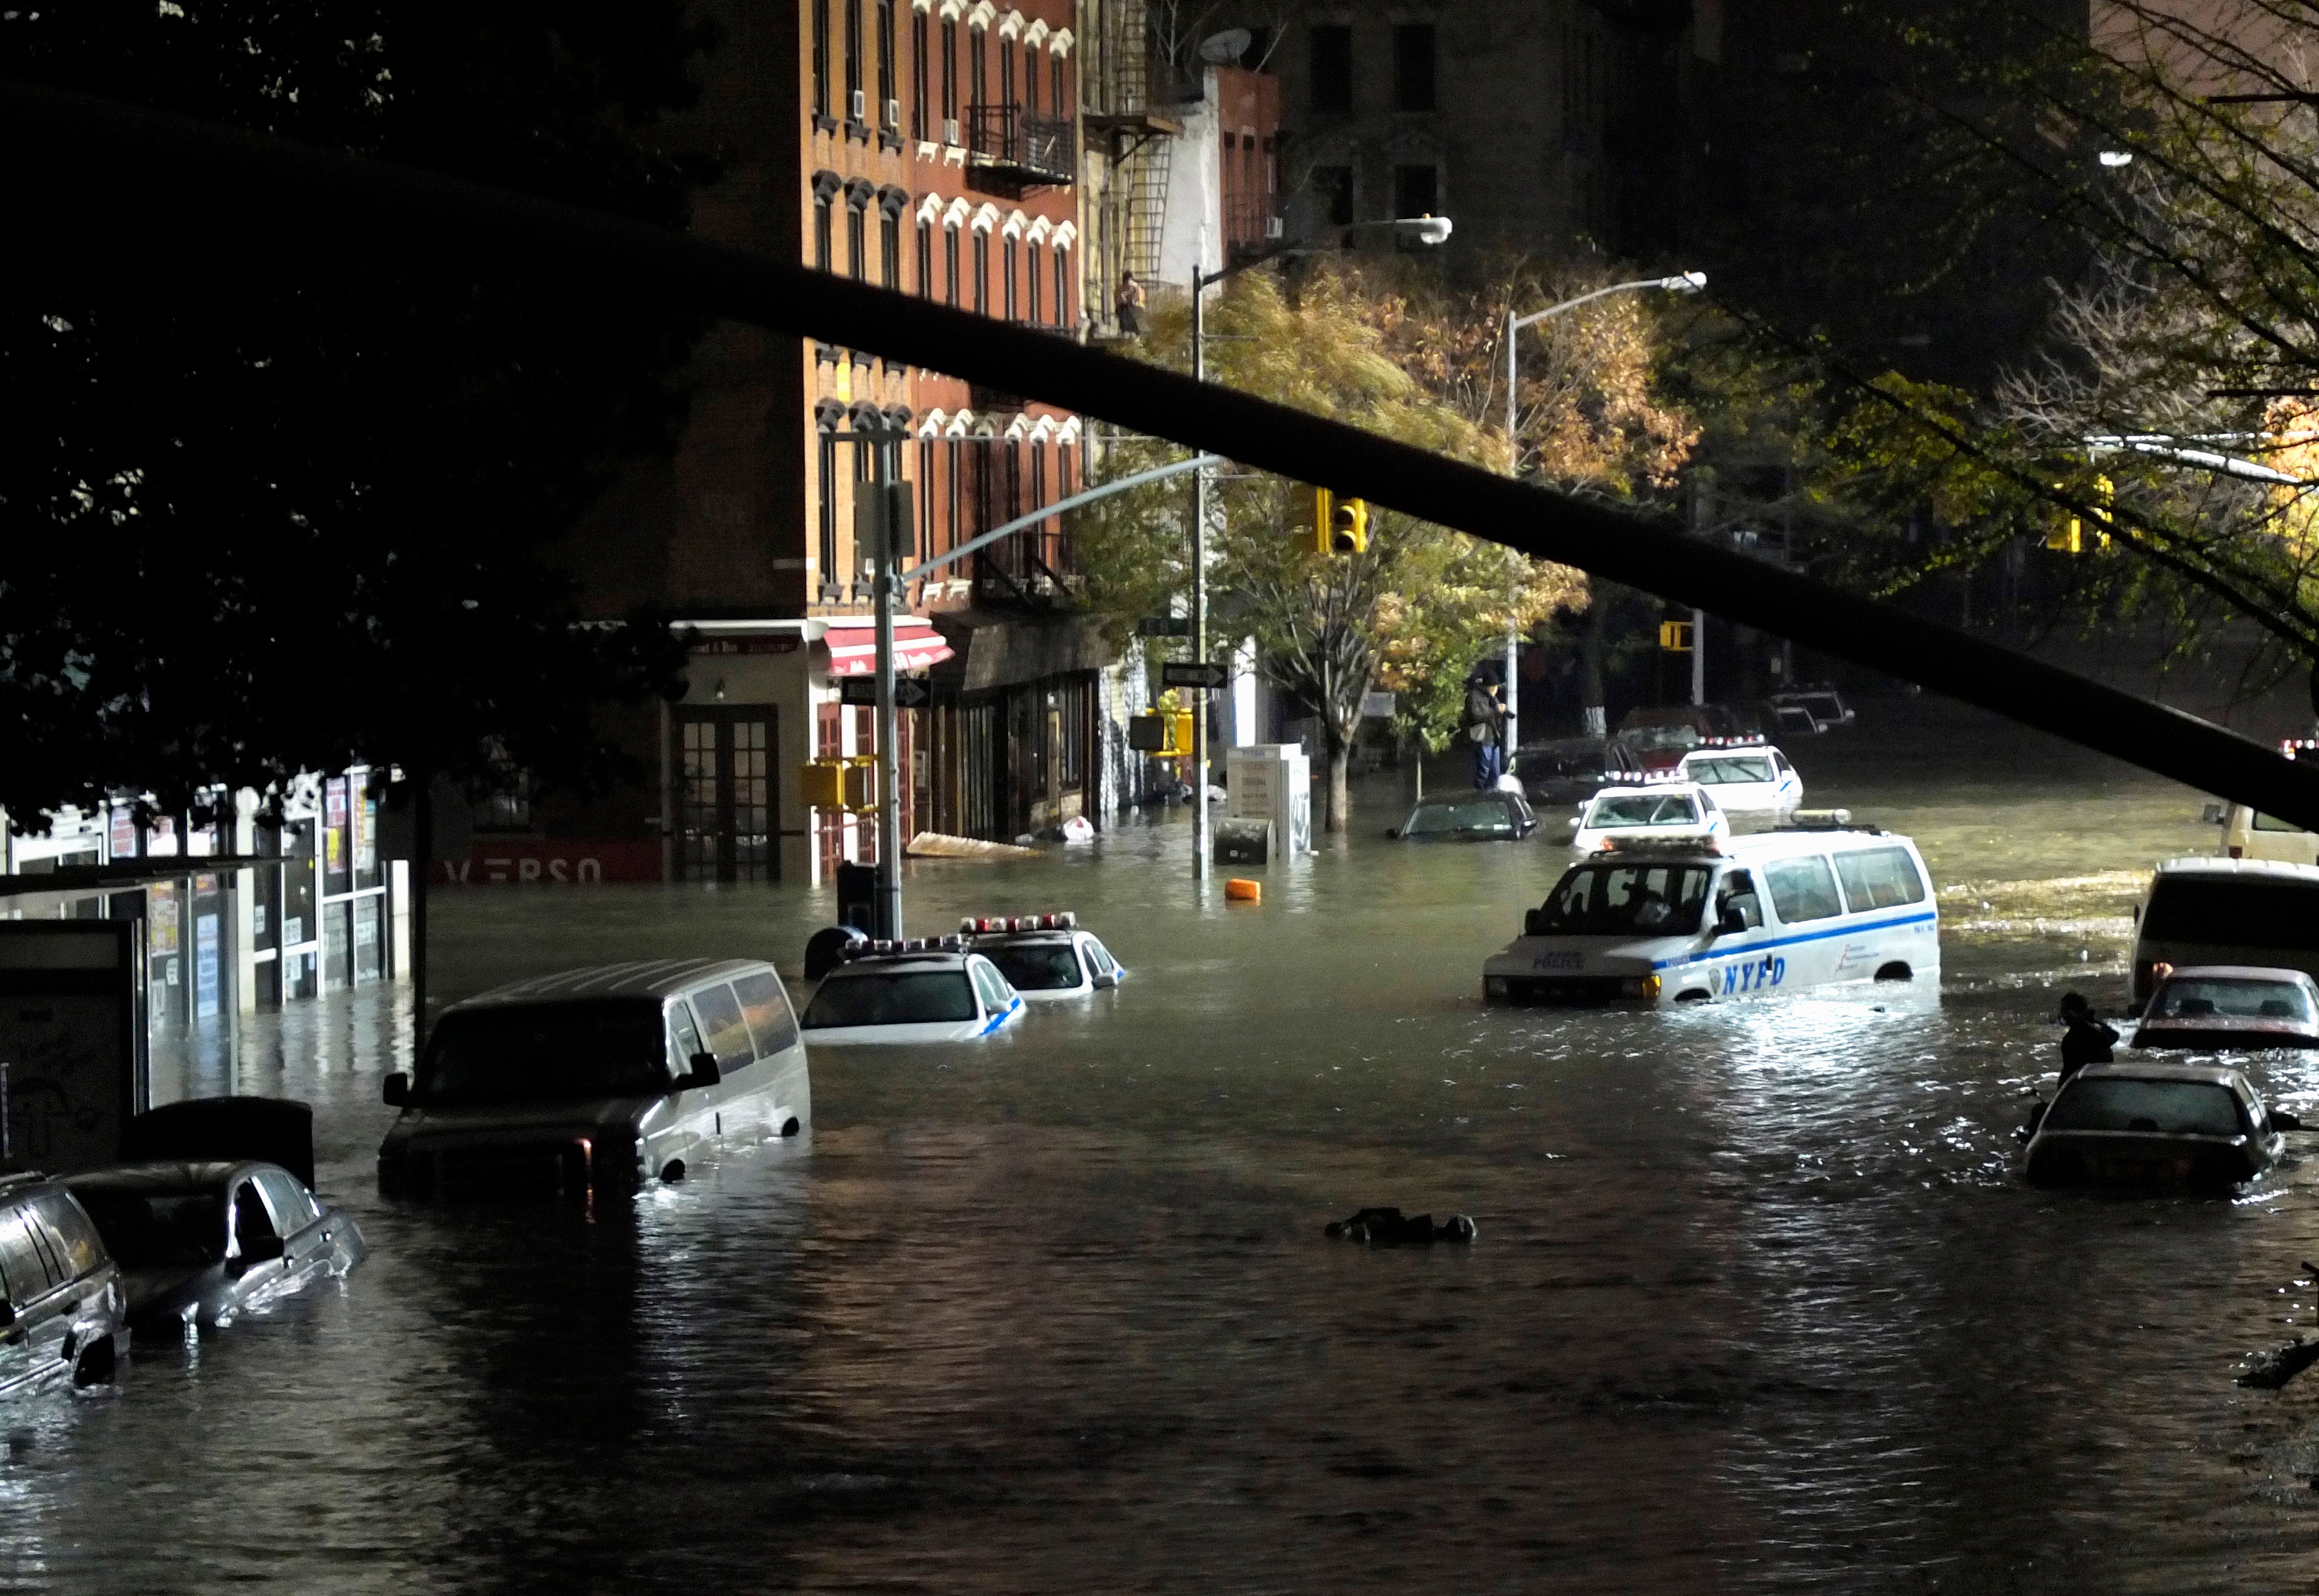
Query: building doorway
[[724, 796]]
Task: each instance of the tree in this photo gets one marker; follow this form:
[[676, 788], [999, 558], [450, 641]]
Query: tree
[[293, 515]]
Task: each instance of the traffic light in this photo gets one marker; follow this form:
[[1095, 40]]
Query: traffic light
[[1675, 636], [2068, 533], [1340, 526]]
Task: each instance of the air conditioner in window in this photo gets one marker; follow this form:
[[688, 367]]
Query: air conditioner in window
[[860, 105], [1275, 228], [893, 115], [949, 130]]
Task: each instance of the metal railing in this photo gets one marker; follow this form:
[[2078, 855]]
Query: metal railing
[[1008, 140]]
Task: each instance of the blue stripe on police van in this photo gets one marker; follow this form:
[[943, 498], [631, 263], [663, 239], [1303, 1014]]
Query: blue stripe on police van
[[1782, 942]]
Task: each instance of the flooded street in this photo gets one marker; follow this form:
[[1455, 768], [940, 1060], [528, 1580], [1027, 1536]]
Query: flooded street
[[1758, 1301]]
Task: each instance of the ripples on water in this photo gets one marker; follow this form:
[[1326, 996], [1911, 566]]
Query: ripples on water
[[1756, 1299]]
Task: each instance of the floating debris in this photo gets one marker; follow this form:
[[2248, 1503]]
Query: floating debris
[[2269, 1371], [1389, 1227]]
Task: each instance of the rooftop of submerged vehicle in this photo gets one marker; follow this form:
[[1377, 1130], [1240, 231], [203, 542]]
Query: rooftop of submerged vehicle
[[1484, 814]]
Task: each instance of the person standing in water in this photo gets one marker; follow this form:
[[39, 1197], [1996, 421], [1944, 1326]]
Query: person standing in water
[[2088, 1040]]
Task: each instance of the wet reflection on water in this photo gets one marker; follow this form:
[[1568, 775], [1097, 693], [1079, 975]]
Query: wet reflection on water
[[1757, 1298]]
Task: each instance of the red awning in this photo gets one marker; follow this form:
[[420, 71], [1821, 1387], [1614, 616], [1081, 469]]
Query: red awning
[[853, 646]]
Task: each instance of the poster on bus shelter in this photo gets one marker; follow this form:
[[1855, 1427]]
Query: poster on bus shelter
[[72, 1029]]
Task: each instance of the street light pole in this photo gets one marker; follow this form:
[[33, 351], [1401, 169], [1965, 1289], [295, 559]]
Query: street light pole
[[1685, 283], [1422, 229], [889, 914]]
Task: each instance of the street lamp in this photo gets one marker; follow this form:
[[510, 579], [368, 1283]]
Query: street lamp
[[1427, 230], [1686, 283]]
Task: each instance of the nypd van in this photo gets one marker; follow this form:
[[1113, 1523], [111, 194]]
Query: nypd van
[[1657, 923]]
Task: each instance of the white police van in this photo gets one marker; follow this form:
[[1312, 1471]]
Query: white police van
[[921, 990], [1654, 924]]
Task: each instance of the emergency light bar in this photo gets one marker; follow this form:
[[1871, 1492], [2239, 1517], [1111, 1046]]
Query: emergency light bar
[[991, 924], [1751, 740], [2296, 748], [1663, 844], [874, 947]]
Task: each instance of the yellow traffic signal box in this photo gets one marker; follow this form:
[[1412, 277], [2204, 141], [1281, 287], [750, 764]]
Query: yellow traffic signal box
[[1340, 526], [1675, 636]]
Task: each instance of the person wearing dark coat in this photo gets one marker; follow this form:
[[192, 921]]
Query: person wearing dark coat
[[1484, 721], [2088, 1040]]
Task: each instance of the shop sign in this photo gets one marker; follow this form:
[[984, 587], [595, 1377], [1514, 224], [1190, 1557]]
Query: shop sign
[[124, 831], [161, 841], [551, 862]]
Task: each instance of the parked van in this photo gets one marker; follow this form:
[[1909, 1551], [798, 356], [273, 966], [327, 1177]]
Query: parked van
[[62, 1308], [2225, 911], [2249, 834], [595, 1081], [1651, 926]]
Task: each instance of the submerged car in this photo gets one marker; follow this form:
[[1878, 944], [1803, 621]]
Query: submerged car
[[1572, 769], [1664, 811], [2147, 1124], [1823, 705], [1044, 957], [1750, 778], [916, 992], [2232, 1005], [1491, 815], [199, 1243], [597, 1081], [63, 1308]]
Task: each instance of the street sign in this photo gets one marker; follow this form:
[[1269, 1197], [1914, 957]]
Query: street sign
[[861, 691], [1201, 674], [1164, 625]]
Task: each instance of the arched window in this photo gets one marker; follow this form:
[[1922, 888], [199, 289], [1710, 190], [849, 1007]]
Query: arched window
[[949, 265], [977, 74], [1031, 83], [1006, 71], [853, 95], [857, 226], [826, 186], [925, 259], [953, 500], [981, 272], [1006, 273], [821, 58], [884, 115], [1055, 106], [926, 549], [950, 80], [1030, 282], [1039, 491], [890, 245], [1062, 287]]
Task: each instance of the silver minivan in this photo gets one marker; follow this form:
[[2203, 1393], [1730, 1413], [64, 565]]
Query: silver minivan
[[2225, 911], [597, 1081]]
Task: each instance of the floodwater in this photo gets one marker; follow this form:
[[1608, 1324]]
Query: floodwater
[[1757, 1303]]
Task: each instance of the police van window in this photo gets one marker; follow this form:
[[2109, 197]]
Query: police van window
[[1878, 879], [71, 1237], [1737, 893], [1802, 889], [293, 1206], [683, 1038], [24, 1266], [2273, 823], [723, 1027], [767, 1009]]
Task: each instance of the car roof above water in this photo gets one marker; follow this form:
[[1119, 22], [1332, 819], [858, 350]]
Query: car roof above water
[[651, 979], [162, 1178], [2207, 1075], [2275, 869], [931, 959]]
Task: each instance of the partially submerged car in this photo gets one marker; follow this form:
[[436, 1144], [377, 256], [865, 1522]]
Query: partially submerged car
[[1663, 811], [597, 1081], [1044, 957], [1823, 704], [199, 1243], [2148, 1123], [1749, 776], [1492, 815], [919, 991], [63, 1310], [1572, 769], [2231, 1005]]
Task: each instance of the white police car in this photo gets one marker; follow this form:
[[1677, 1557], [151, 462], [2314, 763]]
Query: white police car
[[1653, 812], [1044, 957], [1748, 776], [922, 990]]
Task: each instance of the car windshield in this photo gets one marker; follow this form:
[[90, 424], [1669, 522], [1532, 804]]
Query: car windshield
[[1642, 809], [1661, 737], [891, 997], [1482, 814], [1037, 966], [2273, 823], [546, 1052], [158, 1230], [2162, 1107], [1615, 899], [1824, 705], [2202, 999], [2230, 910], [1714, 771]]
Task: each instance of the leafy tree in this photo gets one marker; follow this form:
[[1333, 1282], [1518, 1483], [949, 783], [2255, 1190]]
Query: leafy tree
[[288, 515]]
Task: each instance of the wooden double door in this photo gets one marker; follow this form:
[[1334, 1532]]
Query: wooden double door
[[727, 799]]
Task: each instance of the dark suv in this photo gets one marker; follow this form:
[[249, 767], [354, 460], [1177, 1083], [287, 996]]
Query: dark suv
[[64, 1307]]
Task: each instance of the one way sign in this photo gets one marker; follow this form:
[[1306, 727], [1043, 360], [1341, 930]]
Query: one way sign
[[910, 692], [1200, 674]]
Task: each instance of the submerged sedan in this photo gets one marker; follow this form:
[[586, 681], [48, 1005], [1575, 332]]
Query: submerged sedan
[[928, 994], [199, 1243], [1489, 816], [2156, 1125], [2232, 1005]]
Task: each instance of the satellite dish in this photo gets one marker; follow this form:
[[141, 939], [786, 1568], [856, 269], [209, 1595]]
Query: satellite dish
[[1226, 49]]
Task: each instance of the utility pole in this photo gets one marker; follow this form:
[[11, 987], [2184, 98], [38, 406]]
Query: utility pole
[[1199, 760], [890, 528]]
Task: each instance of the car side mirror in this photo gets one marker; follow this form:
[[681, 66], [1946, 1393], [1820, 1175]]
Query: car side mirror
[[2214, 815], [2281, 1120], [705, 1072], [1534, 922], [1105, 982], [397, 1090], [1572, 823]]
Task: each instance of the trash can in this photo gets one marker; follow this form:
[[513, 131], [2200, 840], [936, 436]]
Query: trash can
[[857, 898]]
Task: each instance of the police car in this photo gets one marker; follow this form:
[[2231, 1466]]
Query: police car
[[1652, 923], [1748, 776], [921, 990], [1044, 957], [1652, 811]]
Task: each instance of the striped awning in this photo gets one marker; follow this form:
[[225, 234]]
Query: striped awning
[[852, 645]]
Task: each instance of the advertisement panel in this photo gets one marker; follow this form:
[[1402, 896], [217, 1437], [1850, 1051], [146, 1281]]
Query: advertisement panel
[[552, 861], [72, 1031]]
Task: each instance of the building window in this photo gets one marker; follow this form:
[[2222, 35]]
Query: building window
[[1031, 83], [821, 245], [925, 260], [978, 69], [1412, 67], [1062, 287], [1331, 75], [1413, 191], [1006, 72], [1332, 186], [918, 53], [1007, 273], [889, 246], [886, 117], [1030, 284], [1055, 81], [857, 246], [949, 265], [821, 58], [981, 272], [854, 107], [950, 81]]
